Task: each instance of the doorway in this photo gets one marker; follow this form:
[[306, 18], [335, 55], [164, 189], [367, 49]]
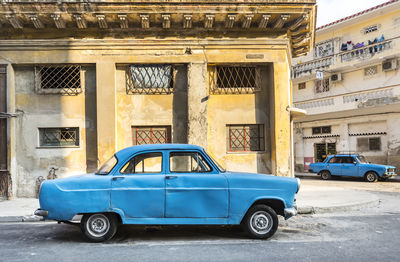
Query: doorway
[[322, 150]]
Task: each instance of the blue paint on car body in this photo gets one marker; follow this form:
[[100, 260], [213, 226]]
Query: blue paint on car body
[[167, 197], [351, 165]]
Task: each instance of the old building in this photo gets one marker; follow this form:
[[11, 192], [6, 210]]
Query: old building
[[82, 79], [350, 87]]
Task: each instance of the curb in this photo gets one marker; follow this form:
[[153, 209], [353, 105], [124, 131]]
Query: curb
[[31, 218], [343, 208]]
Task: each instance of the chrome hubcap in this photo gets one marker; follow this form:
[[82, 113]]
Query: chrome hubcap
[[370, 177], [261, 222], [98, 225]]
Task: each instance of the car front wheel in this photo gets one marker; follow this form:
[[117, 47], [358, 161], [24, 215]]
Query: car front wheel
[[371, 177], [260, 222], [99, 227]]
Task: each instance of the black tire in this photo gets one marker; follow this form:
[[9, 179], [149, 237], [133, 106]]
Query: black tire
[[326, 175], [371, 177], [99, 227], [260, 222]]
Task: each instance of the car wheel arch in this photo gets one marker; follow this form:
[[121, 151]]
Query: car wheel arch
[[278, 205], [373, 171], [116, 214], [324, 170]]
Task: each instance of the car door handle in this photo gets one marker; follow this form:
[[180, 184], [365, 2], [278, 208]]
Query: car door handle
[[117, 177], [171, 177]]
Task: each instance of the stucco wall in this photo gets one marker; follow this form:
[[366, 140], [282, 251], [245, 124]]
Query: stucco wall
[[51, 111]]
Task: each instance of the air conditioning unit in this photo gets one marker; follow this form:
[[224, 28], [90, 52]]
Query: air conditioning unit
[[337, 77], [389, 65]]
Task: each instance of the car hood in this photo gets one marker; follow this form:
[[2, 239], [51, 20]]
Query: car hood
[[378, 166]]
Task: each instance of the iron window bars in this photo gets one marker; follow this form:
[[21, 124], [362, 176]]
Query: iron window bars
[[151, 135], [244, 138], [234, 79], [150, 79], [59, 137], [58, 79]]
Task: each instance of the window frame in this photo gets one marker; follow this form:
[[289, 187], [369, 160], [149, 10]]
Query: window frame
[[77, 140], [142, 153], [188, 152], [261, 139], [61, 91], [324, 88], [321, 128], [168, 136], [301, 86], [368, 147]]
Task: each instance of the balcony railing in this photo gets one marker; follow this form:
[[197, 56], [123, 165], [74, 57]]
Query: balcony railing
[[365, 52], [307, 67]]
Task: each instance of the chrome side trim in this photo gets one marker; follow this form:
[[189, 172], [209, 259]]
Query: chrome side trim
[[42, 213]]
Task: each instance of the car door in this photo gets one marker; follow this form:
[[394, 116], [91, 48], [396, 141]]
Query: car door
[[138, 189], [335, 166], [349, 166], [194, 188]]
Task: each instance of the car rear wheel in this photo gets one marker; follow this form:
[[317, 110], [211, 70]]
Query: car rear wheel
[[371, 177], [99, 227], [260, 222], [326, 175]]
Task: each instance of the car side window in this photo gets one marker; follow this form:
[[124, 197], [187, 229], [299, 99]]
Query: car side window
[[335, 160], [187, 162], [348, 160], [143, 163]]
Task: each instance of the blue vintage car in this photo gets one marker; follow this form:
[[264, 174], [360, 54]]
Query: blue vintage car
[[352, 165], [169, 184]]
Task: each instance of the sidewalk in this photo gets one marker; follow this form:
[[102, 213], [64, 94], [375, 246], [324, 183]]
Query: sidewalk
[[315, 196]]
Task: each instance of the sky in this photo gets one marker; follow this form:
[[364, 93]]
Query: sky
[[332, 10]]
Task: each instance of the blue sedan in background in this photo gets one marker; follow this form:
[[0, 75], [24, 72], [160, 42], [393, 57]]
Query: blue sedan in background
[[169, 184], [352, 165]]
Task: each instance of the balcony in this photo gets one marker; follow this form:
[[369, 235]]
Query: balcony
[[365, 52], [344, 60]]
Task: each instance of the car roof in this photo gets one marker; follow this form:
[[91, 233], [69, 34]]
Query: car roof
[[134, 149]]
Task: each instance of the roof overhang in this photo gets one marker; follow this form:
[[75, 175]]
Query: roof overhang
[[44, 19]]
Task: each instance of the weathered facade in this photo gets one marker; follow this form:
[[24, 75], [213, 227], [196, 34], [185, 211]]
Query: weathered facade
[[356, 107], [86, 78]]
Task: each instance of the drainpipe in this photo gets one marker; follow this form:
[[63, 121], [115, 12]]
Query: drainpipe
[[294, 113]]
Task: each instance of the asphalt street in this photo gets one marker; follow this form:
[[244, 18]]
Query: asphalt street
[[366, 235]]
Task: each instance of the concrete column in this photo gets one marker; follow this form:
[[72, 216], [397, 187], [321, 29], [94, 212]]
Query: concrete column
[[344, 143], [197, 104], [13, 127], [280, 121], [106, 110]]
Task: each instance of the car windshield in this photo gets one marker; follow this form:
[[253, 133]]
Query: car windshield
[[107, 166], [362, 159], [220, 167]]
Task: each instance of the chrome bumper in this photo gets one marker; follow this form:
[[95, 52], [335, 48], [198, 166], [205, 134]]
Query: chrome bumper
[[290, 212], [42, 213]]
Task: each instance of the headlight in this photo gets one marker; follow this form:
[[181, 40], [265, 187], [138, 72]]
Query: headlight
[[298, 184]]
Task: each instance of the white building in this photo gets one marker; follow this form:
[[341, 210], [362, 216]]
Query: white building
[[356, 105]]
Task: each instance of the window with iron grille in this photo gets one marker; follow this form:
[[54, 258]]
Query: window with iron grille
[[151, 135], [322, 85], [243, 138], [321, 130], [150, 79], [59, 137], [370, 71], [368, 144], [302, 85], [370, 29], [324, 49], [58, 79], [234, 79]]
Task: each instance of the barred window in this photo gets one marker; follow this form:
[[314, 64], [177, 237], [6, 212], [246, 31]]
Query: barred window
[[302, 85], [58, 79], [151, 135], [59, 137], [242, 138], [150, 79], [369, 71], [322, 85], [368, 144], [370, 29], [234, 79], [324, 49], [321, 130]]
